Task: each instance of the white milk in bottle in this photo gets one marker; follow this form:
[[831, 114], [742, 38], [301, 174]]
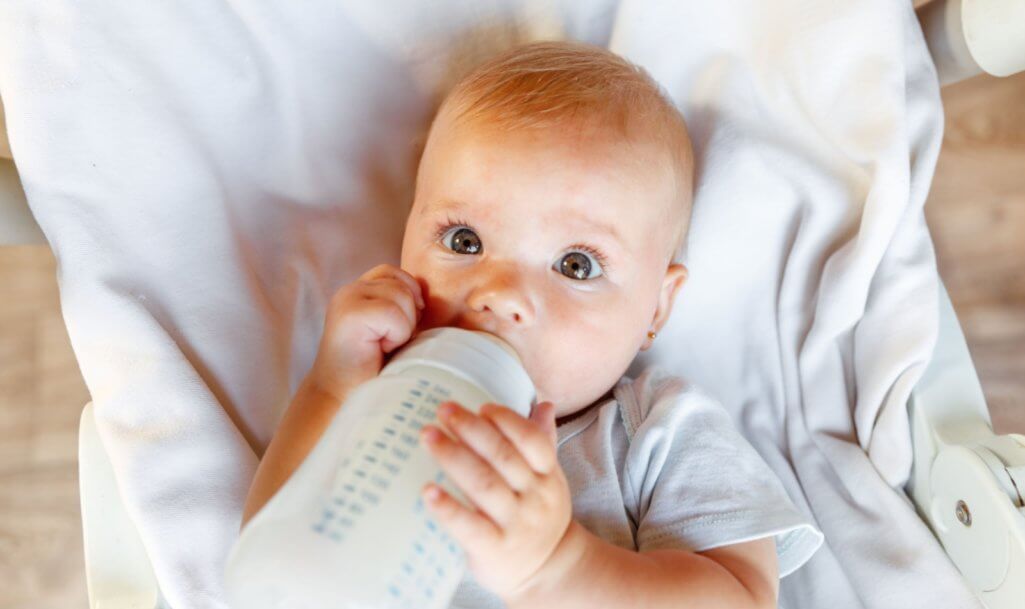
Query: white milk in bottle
[[349, 528]]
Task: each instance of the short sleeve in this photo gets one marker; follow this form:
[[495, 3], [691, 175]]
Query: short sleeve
[[695, 483]]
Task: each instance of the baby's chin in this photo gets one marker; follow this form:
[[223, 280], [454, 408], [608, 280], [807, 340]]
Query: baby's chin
[[568, 403]]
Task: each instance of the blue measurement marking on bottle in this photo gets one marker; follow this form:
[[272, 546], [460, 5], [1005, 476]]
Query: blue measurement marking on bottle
[[416, 392], [422, 382], [389, 431], [360, 473], [399, 417], [407, 405]]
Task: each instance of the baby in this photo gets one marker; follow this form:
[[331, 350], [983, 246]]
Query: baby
[[552, 201]]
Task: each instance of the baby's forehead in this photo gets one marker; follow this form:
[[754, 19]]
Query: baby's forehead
[[588, 148], [583, 158]]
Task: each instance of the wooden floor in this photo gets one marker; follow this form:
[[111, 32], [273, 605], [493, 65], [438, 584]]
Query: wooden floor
[[41, 397], [976, 211]]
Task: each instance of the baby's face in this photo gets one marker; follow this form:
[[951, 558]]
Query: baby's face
[[558, 244]]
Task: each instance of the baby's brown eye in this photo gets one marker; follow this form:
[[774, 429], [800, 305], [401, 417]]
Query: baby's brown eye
[[463, 241], [577, 265]]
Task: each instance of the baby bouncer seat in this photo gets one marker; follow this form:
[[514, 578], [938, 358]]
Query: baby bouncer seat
[[207, 173]]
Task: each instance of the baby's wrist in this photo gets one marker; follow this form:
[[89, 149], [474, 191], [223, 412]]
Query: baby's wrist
[[565, 563], [334, 386], [337, 374]]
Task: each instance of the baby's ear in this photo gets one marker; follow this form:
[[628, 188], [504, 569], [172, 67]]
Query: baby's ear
[[675, 277]]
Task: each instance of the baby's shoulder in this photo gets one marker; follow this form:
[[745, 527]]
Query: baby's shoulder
[[657, 398]]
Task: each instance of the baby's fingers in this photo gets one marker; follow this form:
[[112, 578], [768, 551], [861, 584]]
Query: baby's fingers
[[391, 291], [470, 527], [388, 322], [389, 271], [535, 443], [490, 444]]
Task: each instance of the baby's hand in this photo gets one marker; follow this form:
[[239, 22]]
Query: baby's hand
[[365, 320], [507, 467]]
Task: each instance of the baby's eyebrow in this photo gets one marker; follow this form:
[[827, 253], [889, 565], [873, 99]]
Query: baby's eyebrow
[[456, 205], [608, 229], [442, 205]]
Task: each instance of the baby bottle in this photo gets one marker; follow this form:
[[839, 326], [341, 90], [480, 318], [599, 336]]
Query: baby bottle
[[349, 529]]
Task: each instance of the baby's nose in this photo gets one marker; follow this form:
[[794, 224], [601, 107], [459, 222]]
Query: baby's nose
[[503, 294]]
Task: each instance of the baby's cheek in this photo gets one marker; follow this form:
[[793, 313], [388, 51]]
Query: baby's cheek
[[438, 312]]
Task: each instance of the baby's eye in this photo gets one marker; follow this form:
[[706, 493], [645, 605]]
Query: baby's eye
[[462, 240], [578, 265]]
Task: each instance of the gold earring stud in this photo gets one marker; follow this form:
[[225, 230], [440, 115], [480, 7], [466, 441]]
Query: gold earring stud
[[651, 335]]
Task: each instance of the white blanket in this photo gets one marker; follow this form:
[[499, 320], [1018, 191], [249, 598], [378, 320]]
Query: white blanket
[[209, 172]]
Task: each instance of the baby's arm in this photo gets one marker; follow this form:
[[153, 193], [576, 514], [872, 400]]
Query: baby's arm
[[304, 422], [366, 320], [587, 571]]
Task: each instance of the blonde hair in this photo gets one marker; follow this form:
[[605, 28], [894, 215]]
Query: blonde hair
[[545, 84]]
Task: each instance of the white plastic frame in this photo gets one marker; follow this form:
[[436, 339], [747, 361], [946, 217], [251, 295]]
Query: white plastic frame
[[967, 482], [118, 572], [968, 37]]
